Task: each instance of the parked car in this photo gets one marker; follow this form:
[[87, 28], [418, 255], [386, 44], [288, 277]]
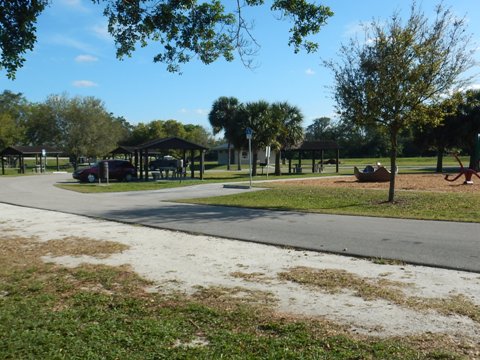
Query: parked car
[[121, 170], [165, 163]]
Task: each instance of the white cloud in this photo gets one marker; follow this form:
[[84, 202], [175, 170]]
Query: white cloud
[[84, 83], [310, 72], [76, 5], [101, 31], [85, 58], [473, 87], [201, 112], [353, 29], [183, 111], [70, 42]]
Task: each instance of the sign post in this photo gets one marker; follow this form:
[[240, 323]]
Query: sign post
[[105, 170], [44, 158], [249, 133]]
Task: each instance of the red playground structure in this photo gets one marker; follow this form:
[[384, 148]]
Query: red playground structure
[[468, 172]]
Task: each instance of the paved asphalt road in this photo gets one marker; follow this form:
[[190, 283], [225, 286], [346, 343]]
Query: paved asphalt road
[[443, 244]]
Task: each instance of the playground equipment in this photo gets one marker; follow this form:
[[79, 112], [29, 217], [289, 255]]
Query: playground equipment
[[375, 173], [467, 172]]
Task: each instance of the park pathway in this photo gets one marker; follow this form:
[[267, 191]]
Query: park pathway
[[433, 243]]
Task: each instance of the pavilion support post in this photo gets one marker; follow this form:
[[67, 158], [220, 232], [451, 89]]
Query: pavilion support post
[[22, 162], [184, 162], [141, 164], [146, 164], [135, 161], [322, 153], [58, 164], [300, 159], [313, 161], [290, 165], [3, 165], [192, 164], [338, 159], [202, 158]]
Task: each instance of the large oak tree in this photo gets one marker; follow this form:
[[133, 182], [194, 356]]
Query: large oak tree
[[179, 29], [388, 79]]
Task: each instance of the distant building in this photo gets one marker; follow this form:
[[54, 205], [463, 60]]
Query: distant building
[[222, 151]]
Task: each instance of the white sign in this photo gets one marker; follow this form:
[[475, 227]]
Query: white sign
[[267, 155], [44, 153]]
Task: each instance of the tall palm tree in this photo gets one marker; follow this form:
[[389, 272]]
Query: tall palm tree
[[289, 119], [222, 116], [265, 129]]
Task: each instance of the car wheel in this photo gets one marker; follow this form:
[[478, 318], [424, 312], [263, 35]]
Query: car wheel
[[128, 177], [91, 178]]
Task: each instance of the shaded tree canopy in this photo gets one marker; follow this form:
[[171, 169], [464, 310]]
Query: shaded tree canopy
[[14, 112], [223, 116], [388, 80], [289, 119], [321, 128], [18, 32], [181, 29], [469, 114], [157, 129]]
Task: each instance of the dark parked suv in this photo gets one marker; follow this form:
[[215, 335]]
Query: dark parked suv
[[121, 170]]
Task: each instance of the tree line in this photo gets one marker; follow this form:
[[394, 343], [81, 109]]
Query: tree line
[[456, 131], [81, 126]]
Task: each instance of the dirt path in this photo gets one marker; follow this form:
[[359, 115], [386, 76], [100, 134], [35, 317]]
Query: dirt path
[[424, 182]]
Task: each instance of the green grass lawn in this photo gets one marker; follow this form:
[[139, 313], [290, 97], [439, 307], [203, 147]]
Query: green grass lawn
[[217, 174], [99, 312], [409, 204], [209, 177]]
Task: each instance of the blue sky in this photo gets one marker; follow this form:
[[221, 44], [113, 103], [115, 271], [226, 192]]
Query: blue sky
[[75, 55]]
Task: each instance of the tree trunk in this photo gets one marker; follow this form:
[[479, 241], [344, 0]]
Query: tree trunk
[[229, 155], [440, 151], [254, 162], [278, 170], [239, 160], [393, 167]]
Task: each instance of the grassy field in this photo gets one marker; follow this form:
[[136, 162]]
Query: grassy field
[[215, 173], [100, 312], [364, 202], [209, 177], [30, 163], [414, 164]]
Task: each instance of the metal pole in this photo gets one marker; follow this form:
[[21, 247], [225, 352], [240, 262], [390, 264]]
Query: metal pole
[[250, 158]]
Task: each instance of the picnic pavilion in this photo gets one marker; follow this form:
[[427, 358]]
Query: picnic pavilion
[[21, 152], [314, 148], [141, 153]]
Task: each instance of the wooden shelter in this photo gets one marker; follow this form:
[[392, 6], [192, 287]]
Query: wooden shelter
[[314, 148], [142, 152], [127, 151], [28, 151]]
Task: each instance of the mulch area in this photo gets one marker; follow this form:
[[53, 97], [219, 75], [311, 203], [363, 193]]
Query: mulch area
[[422, 182]]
